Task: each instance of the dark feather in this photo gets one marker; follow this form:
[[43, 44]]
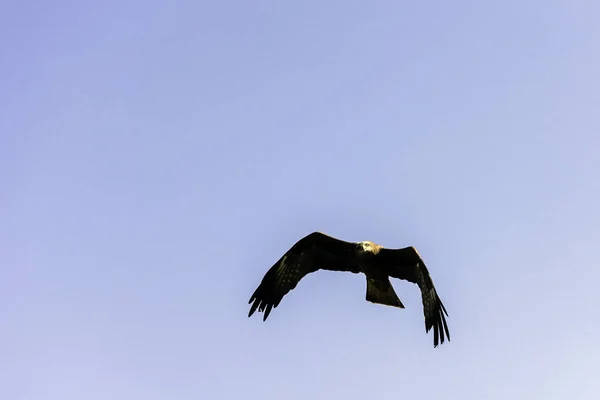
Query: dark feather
[[406, 264], [311, 253]]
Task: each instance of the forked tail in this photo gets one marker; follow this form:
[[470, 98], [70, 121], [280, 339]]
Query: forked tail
[[382, 292]]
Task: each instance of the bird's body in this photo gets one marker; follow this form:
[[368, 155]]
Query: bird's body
[[379, 287], [366, 257], [319, 251]]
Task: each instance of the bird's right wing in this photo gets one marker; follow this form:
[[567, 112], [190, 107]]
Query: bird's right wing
[[311, 253]]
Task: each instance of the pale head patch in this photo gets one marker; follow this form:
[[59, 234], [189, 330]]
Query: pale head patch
[[369, 246]]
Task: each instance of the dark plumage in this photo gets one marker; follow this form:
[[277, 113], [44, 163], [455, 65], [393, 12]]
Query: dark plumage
[[319, 251]]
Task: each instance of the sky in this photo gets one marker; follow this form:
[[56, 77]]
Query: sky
[[156, 159]]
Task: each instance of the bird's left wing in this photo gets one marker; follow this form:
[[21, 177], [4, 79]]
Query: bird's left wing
[[311, 253], [406, 264]]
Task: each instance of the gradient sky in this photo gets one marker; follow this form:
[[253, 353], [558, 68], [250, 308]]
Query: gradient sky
[[156, 158]]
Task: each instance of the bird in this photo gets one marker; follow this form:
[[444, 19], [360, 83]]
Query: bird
[[319, 251]]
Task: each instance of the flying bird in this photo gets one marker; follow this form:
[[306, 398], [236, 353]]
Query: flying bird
[[320, 251]]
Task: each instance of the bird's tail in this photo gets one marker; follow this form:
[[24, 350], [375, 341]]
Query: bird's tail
[[382, 292]]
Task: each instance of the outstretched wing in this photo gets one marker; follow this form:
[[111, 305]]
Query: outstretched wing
[[406, 264], [311, 253]]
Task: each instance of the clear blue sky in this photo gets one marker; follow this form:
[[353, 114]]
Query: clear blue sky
[[156, 158]]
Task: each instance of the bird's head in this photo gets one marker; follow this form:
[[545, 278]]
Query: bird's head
[[368, 247]]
